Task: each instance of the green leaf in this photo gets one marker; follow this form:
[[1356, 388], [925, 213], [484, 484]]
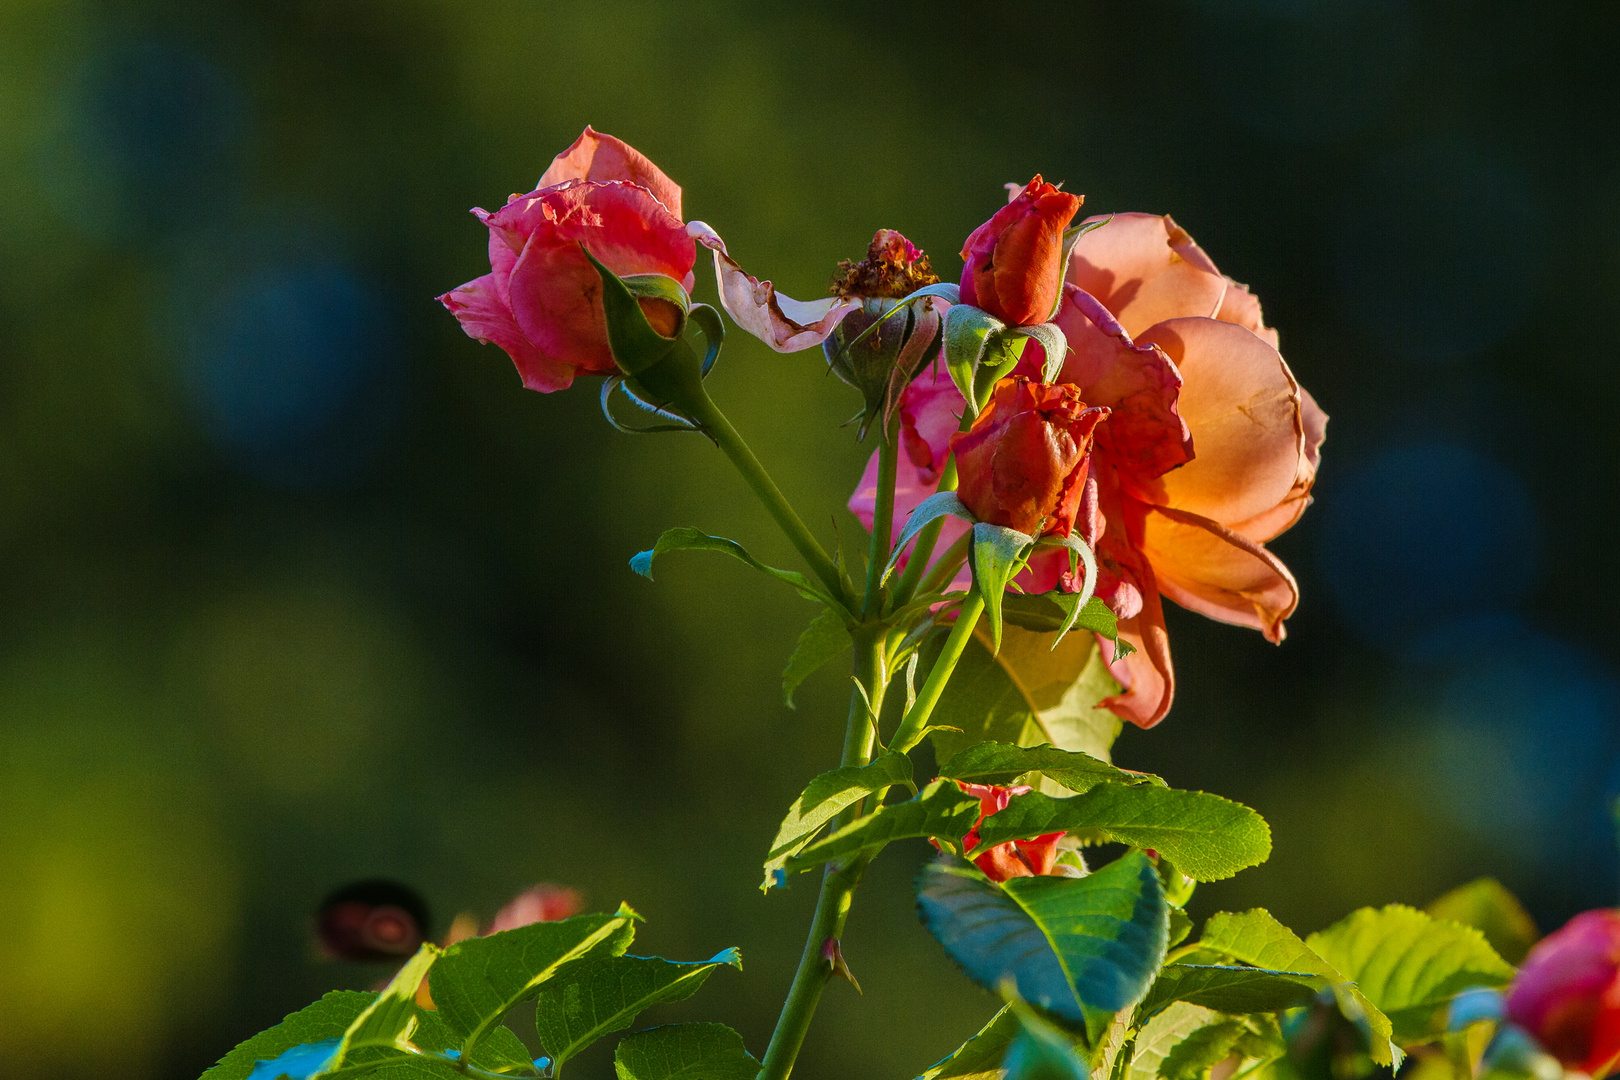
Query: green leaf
[[477, 981], [824, 640], [1206, 836], [603, 994], [1255, 937], [1041, 1051], [500, 1051], [1164, 1033], [328, 1018], [967, 332], [1229, 989], [1004, 763], [980, 1057], [686, 538], [1493, 911], [823, 799], [1409, 964], [1028, 693], [1080, 948], [941, 811], [996, 555], [392, 1017], [684, 1052], [1201, 1050]]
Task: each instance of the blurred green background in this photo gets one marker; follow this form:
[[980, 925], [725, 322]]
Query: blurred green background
[[298, 586]]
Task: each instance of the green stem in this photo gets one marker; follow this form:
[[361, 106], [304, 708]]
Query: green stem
[[882, 520], [924, 547], [838, 882], [712, 420], [947, 565], [912, 725]]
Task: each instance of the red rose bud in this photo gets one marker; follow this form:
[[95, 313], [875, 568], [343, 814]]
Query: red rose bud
[[1015, 260], [1015, 858], [371, 921], [1023, 464], [1567, 993]]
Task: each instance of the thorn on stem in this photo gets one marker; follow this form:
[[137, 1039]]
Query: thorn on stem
[[833, 954]]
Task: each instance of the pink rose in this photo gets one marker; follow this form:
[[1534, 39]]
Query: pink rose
[[1567, 993], [1210, 449], [542, 299]]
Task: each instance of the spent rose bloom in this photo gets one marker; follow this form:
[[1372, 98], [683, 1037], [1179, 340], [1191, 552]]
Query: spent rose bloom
[[542, 299], [1023, 463], [1567, 994], [1014, 261], [1209, 450], [1015, 858]]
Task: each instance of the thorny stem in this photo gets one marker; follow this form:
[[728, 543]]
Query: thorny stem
[[915, 722], [924, 547], [882, 520], [714, 422]]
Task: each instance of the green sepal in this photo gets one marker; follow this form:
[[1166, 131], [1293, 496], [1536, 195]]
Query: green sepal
[[967, 335], [1080, 948], [940, 811], [996, 556], [823, 641], [1255, 937], [1070, 236], [636, 345], [1052, 342], [1206, 836], [1080, 552], [686, 538], [1003, 764], [603, 994], [714, 333], [684, 1052], [938, 505], [823, 799]]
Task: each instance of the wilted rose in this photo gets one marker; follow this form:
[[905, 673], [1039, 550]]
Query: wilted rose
[[542, 299], [1024, 462], [1015, 260], [1567, 994]]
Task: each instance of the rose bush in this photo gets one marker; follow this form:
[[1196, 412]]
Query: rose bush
[[542, 299]]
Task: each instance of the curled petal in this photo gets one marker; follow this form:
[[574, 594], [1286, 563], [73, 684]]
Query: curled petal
[[595, 156], [1146, 435], [1282, 517], [1148, 679], [1145, 269], [783, 323], [1208, 568], [484, 315], [1241, 306], [1243, 408]]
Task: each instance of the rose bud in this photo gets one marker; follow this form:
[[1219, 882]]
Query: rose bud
[[542, 299], [882, 364], [1015, 858], [1567, 993], [1023, 463], [1015, 260], [372, 920]]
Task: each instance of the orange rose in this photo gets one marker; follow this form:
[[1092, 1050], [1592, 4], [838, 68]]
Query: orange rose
[[1015, 260]]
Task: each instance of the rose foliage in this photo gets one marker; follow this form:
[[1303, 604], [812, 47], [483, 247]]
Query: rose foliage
[[1092, 420]]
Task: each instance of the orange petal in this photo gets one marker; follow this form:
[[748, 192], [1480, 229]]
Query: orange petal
[[1241, 306], [1243, 409], [1145, 269], [1208, 568], [595, 156], [1147, 675], [1282, 517], [783, 323]]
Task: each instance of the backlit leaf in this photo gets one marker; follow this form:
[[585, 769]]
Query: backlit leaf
[[1004, 763], [980, 1057], [940, 810], [822, 800], [604, 994], [327, 1019], [1229, 989], [684, 1052], [1206, 836], [1493, 911], [823, 641], [1163, 1033], [1201, 1050], [686, 538]]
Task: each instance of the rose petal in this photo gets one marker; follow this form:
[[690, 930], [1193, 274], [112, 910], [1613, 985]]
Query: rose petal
[[1146, 434], [1242, 307], [1243, 408], [1147, 676], [783, 323], [483, 314], [1145, 269], [1208, 568], [595, 156], [1281, 518]]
